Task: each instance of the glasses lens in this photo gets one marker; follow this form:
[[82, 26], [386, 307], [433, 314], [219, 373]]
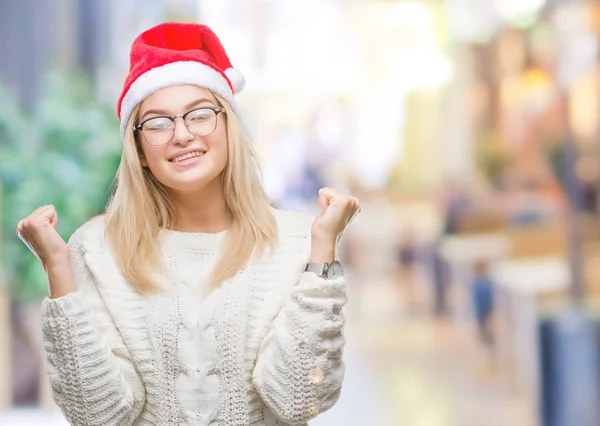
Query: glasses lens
[[201, 122], [158, 131]]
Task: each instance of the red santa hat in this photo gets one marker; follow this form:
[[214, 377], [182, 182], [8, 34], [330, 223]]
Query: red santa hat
[[172, 54]]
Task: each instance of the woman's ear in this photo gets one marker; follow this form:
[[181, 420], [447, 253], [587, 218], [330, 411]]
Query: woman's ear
[[143, 161]]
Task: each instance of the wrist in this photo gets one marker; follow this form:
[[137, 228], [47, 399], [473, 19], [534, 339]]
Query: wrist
[[60, 281], [58, 261], [60, 276], [322, 252]]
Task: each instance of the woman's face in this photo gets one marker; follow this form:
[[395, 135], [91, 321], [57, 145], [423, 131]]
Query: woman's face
[[188, 161]]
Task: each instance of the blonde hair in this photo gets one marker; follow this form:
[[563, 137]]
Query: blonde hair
[[140, 207]]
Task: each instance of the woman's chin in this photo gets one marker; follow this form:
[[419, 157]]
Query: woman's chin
[[190, 184]]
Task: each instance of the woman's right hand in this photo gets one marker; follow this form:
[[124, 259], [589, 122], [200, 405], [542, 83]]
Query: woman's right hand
[[38, 232]]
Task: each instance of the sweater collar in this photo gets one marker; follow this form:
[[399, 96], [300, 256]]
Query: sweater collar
[[178, 240]]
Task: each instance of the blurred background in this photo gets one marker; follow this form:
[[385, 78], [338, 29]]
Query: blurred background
[[468, 128]]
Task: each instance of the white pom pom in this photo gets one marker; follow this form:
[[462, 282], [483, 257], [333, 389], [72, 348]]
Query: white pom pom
[[236, 78]]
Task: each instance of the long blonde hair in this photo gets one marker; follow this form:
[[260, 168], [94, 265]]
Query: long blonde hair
[[140, 207]]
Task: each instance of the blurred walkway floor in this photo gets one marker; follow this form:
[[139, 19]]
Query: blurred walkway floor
[[362, 401], [432, 372], [31, 417]]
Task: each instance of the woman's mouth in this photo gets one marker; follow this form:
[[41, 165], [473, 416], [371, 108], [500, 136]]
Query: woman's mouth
[[187, 158]]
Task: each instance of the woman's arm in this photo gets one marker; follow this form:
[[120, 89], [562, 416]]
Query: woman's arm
[[299, 367], [92, 376]]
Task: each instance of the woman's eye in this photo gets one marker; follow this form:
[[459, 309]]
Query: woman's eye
[[158, 124], [200, 115]]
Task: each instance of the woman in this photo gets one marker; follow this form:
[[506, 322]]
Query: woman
[[191, 301]]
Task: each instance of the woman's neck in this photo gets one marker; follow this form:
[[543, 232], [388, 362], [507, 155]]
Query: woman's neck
[[204, 212]]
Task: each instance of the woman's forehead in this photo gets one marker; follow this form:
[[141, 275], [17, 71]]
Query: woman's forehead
[[174, 98]]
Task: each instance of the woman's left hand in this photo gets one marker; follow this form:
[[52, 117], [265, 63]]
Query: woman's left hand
[[337, 210]]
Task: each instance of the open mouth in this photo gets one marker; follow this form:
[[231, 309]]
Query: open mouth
[[187, 156]]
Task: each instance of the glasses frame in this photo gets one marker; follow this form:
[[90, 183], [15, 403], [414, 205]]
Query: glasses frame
[[140, 125]]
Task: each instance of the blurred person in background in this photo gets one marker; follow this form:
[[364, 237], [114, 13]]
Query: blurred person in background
[[191, 300], [407, 262], [482, 296], [455, 204]]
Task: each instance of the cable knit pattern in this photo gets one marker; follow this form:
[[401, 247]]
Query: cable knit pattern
[[189, 263], [263, 349]]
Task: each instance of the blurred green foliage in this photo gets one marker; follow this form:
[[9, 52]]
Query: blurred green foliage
[[64, 153]]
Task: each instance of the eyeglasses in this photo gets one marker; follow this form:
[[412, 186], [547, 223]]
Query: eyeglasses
[[199, 122]]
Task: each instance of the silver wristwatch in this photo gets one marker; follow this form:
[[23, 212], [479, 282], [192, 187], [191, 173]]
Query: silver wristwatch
[[328, 271]]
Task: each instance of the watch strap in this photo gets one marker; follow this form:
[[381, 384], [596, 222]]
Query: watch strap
[[317, 268]]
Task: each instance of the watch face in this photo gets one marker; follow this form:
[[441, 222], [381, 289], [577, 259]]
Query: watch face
[[334, 270]]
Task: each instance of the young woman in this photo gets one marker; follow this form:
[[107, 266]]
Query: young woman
[[191, 300]]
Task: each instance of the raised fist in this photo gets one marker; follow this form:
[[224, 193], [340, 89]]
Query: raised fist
[[38, 232]]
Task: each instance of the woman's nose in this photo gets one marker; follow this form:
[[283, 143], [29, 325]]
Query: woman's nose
[[181, 134]]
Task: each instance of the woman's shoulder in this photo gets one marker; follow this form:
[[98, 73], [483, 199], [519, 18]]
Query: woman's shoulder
[[292, 222], [90, 233]]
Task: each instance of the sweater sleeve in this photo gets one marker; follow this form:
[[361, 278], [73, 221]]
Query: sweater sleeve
[[91, 373], [299, 368]]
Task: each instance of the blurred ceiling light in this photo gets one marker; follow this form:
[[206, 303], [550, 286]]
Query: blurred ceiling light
[[471, 20], [378, 131], [537, 89], [521, 13], [422, 67], [409, 15]]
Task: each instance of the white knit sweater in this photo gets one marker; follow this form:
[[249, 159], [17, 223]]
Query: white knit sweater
[[265, 348]]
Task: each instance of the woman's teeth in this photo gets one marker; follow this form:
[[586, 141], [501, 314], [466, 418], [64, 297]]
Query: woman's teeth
[[186, 156]]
